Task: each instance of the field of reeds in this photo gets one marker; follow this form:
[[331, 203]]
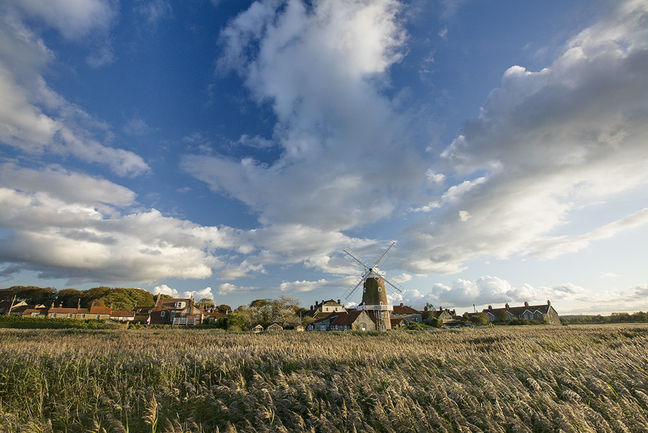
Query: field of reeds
[[508, 379]]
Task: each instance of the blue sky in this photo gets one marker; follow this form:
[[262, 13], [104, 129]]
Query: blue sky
[[233, 149]]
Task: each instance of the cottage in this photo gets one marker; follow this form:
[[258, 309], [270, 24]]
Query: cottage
[[322, 322], [542, 313], [122, 316], [397, 322], [408, 313], [444, 315], [274, 327], [36, 311], [175, 311], [142, 314], [95, 312], [354, 320], [257, 329]]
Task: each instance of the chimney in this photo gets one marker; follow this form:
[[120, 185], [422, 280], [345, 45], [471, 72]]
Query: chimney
[[401, 304], [548, 302], [425, 308], [490, 307], [440, 308], [78, 304], [506, 306], [526, 304], [52, 306], [311, 308]]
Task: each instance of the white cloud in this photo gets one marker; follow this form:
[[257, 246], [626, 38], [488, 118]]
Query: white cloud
[[554, 246], [137, 126], [347, 155], [153, 11], [339, 286], [549, 142], [63, 224], [73, 19], [205, 293], [65, 185], [33, 118], [165, 290]]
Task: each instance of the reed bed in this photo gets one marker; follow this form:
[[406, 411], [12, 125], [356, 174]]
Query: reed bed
[[513, 379]]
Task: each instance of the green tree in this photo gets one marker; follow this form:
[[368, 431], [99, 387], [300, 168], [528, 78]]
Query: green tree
[[29, 294], [69, 297], [479, 319]]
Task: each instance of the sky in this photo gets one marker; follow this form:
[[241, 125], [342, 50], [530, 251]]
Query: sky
[[232, 149]]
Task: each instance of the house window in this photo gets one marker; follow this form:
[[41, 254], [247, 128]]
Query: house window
[[34, 314], [97, 317], [179, 305], [364, 326], [69, 315], [163, 313]]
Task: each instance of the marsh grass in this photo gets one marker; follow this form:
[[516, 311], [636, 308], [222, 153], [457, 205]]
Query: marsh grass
[[535, 379]]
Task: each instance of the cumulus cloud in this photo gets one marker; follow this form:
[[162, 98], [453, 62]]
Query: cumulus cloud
[[347, 156], [163, 289], [63, 224], [35, 119], [549, 142]]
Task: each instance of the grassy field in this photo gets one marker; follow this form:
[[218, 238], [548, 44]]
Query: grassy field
[[509, 379]]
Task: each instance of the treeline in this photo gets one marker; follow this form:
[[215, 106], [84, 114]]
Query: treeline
[[284, 311], [612, 318], [120, 298]]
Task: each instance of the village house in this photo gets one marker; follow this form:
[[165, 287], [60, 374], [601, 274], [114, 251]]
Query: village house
[[142, 314], [175, 311], [95, 312], [356, 320], [257, 329], [542, 313], [407, 313], [444, 315], [397, 322], [321, 309], [122, 315], [35, 311], [274, 327]]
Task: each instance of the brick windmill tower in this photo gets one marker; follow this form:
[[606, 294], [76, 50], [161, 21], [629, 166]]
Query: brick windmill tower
[[374, 295]]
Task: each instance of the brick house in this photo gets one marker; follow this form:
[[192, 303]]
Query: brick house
[[542, 313], [407, 313], [95, 312], [354, 320], [175, 311]]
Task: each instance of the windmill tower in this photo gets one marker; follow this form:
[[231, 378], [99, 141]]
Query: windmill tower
[[374, 295]]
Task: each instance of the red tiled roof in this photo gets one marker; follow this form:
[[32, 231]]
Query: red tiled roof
[[66, 310], [544, 308], [29, 311], [346, 319], [404, 309], [95, 309], [395, 321], [120, 313]]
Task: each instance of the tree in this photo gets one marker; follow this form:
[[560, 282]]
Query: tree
[[69, 297], [503, 317], [224, 309], [479, 319], [29, 294], [205, 302]]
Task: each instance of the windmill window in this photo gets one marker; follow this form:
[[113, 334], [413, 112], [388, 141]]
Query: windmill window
[[379, 289]]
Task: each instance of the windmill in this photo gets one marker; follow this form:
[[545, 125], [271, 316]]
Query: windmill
[[374, 296]]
